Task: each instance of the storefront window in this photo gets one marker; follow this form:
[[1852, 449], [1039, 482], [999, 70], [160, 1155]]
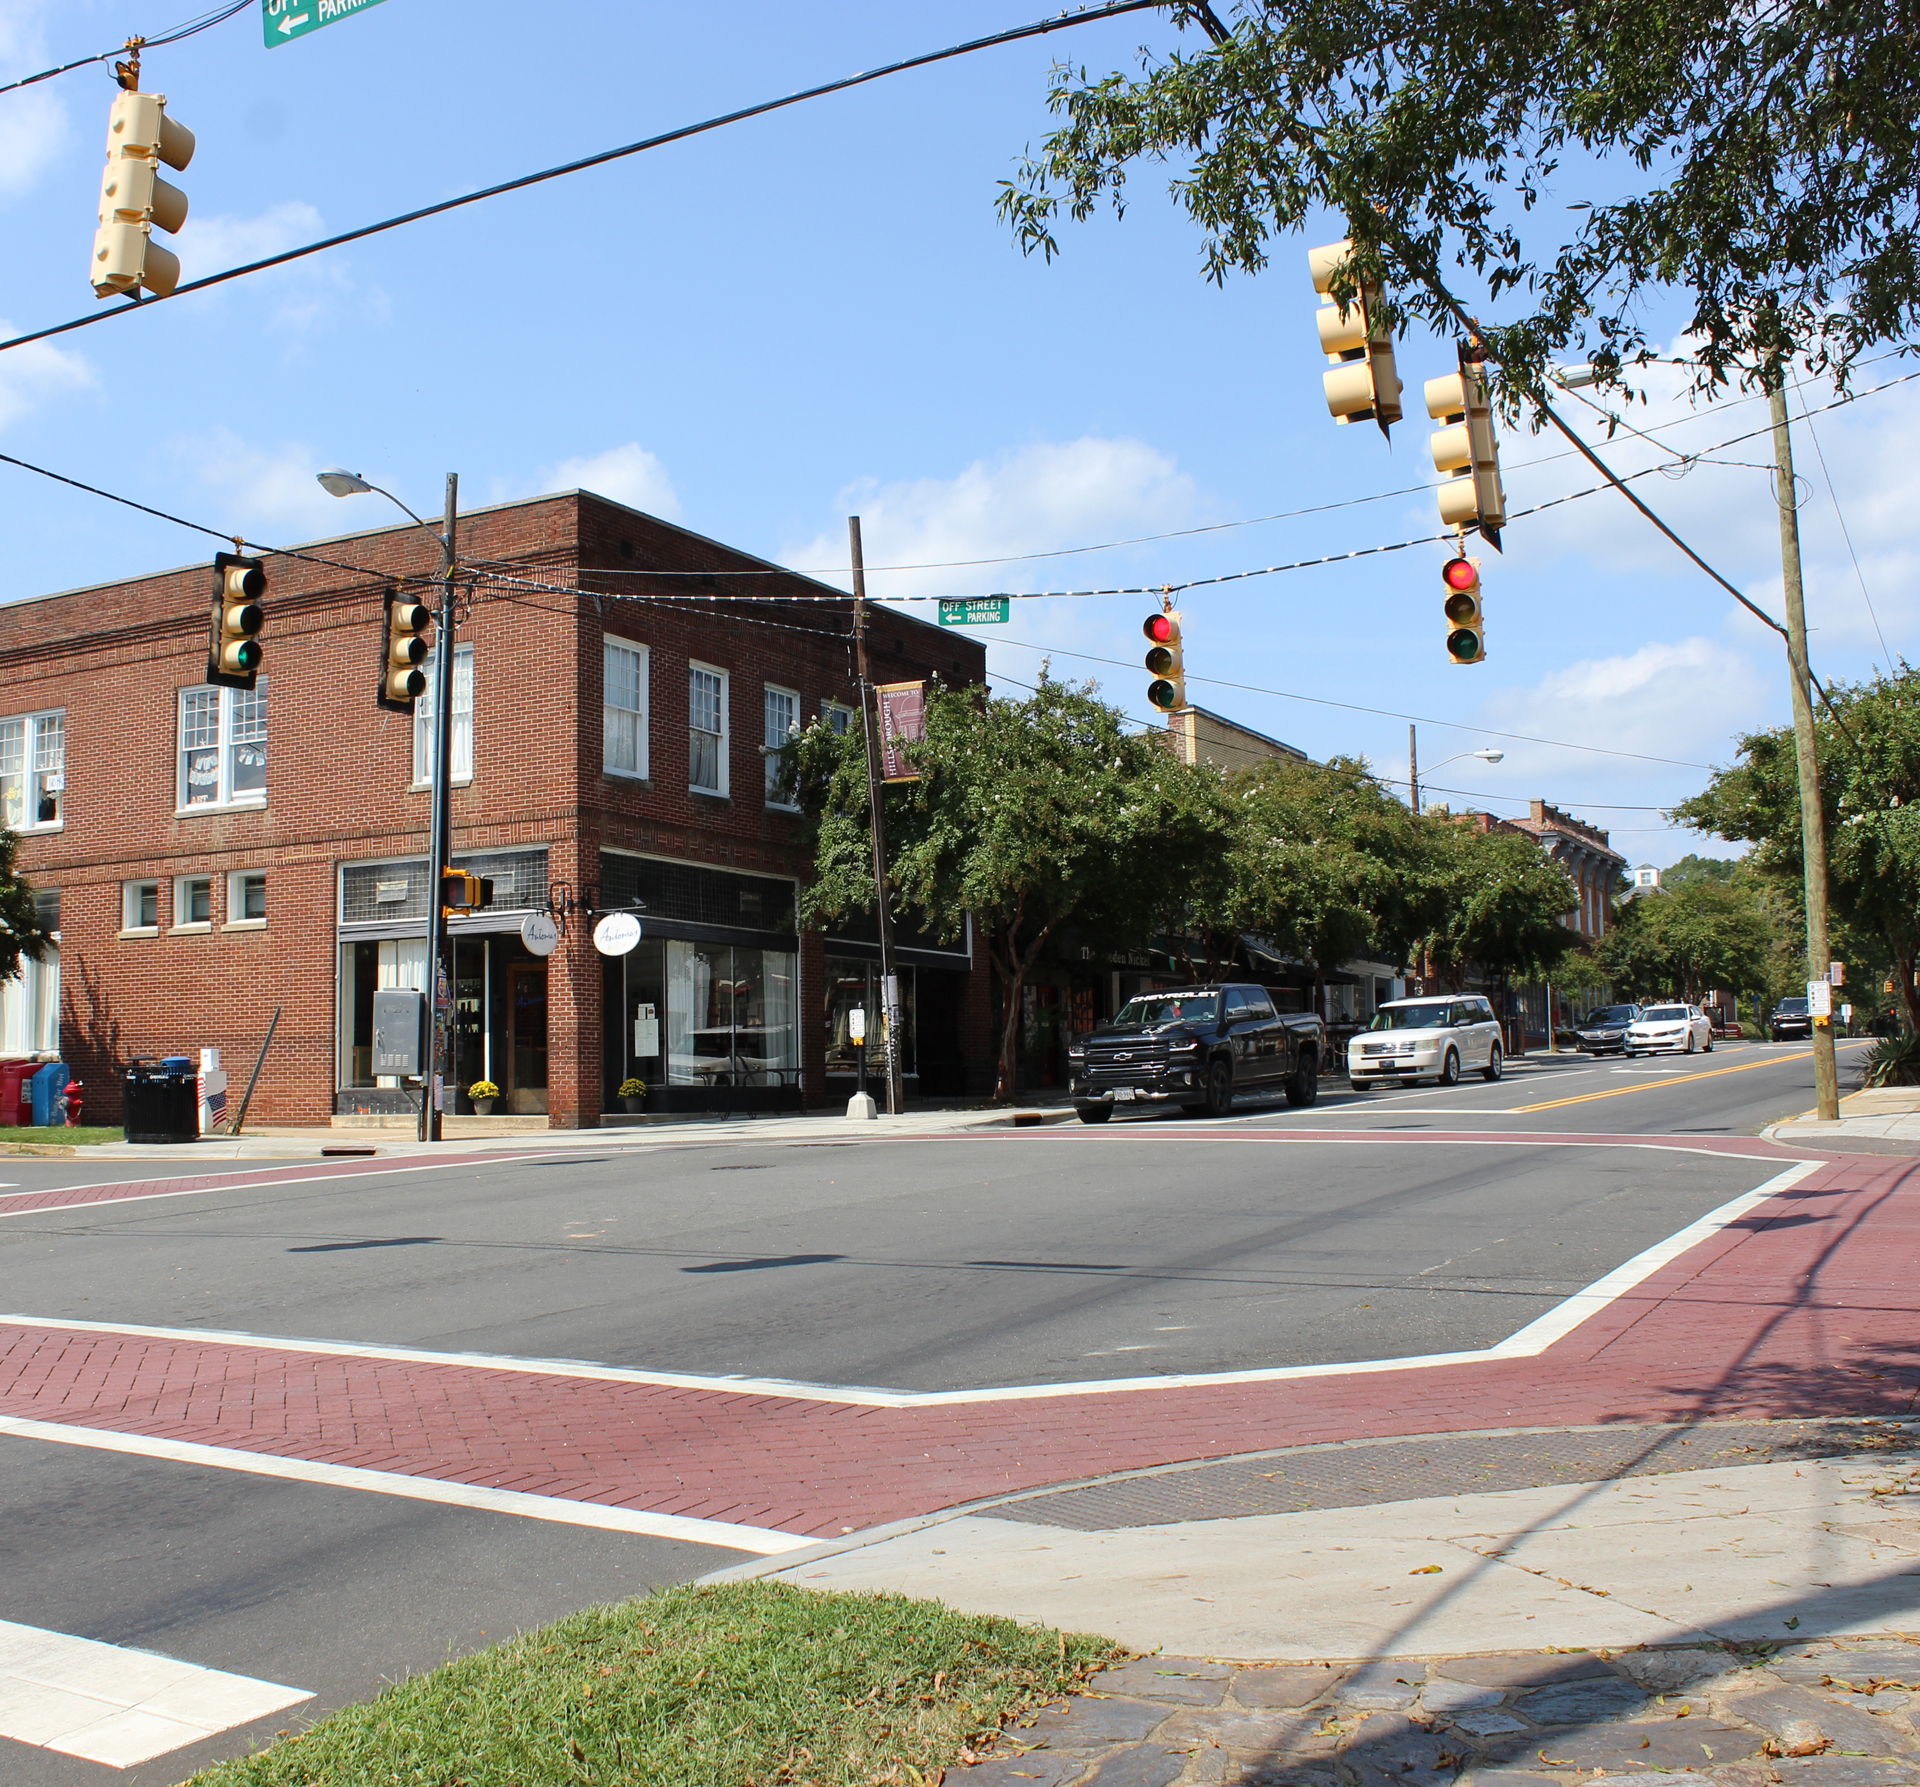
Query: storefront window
[[730, 1018], [364, 968], [853, 985]]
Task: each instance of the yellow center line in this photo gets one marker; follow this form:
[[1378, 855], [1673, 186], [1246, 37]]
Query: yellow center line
[[1678, 1079]]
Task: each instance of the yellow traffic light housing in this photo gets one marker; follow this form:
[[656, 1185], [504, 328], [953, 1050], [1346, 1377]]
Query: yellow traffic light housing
[[1467, 447], [1465, 611], [135, 201], [402, 680], [1165, 661], [1363, 385], [234, 652], [464, 892]]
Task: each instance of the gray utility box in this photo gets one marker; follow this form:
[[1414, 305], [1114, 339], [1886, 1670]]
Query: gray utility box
[[396, 1031]]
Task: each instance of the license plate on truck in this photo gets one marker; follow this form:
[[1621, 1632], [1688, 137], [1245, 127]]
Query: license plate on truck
[[1123, 1094]]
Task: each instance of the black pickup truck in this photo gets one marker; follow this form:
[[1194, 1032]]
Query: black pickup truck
[[1196, 1047]]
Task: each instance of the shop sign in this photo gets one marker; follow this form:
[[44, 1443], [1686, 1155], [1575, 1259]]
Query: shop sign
[[616, 934], [903, 721], [539, 933]]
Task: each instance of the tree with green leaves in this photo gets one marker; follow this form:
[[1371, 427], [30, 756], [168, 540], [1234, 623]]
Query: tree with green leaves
[[1705, 934], [1572, 159], [24, 935], [1869, 784], [1501, 903], [1029, 814]]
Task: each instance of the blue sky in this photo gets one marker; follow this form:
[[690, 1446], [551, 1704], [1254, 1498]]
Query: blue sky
[[767, 328]]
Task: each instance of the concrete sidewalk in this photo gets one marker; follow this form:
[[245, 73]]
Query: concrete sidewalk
[[1888, 1116]]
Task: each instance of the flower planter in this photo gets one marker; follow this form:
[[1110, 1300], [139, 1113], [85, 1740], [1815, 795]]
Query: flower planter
[[633, 1105], [483, 1107]]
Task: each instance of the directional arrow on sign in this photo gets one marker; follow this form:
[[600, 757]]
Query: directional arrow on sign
[[281, 21]]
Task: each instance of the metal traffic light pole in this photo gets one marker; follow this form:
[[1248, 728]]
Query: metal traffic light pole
[[440, 825], [870, 725]]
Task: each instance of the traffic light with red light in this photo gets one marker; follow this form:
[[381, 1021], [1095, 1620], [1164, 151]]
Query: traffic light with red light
[[1362, 384], [402, 680], [234, 652], [1466, 618], [1168, 690]]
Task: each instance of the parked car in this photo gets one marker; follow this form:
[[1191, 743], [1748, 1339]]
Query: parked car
[[1792, 1020], [1436, 1039], [1198, 1047], [1603, 1031], [1682, 1028]]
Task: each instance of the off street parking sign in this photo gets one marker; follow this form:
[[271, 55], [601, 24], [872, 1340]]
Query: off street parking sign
[[973, 611], [284, 20]]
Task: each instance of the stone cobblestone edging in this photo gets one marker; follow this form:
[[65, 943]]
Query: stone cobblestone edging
[[1816, 1715]]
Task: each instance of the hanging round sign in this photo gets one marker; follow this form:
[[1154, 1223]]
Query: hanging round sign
[[539, 933], [617, 933]]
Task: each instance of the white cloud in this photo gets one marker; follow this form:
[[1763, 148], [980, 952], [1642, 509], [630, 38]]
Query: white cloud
[[268, 489], [36, 373], [628, 474], [1036, 498], [218, 242], [33, 120]]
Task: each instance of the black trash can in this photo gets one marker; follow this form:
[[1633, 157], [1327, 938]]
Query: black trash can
[[162, 1101]]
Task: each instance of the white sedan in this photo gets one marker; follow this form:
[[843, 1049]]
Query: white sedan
[[1681, 1028]]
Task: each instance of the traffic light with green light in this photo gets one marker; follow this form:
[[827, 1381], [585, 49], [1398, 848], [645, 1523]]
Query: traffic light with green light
[[234, 653], [1168, 690], [1466, 618]]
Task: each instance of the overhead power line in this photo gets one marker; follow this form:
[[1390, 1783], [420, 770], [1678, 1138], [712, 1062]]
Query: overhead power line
[[178, 33], [1040, 28]]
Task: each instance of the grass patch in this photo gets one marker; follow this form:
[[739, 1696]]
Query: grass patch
[[61, 1135], [743, 1684]]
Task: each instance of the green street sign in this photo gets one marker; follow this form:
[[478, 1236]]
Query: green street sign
[[974, 611], [284, 20]]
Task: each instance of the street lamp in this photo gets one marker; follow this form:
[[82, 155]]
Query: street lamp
[[1486, 754], [337, 482]]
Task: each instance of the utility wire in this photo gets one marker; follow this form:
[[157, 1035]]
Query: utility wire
[[205, 22], [1846, 533], [1039, 28]]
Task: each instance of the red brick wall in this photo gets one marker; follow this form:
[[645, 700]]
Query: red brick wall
[[340, 769]]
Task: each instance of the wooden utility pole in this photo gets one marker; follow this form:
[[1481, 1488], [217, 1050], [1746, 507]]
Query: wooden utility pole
[[1413, 771], [1813, 816], [870, 722]]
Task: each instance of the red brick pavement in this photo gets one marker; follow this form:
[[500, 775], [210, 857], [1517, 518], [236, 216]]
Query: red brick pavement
[[1805, 1306]]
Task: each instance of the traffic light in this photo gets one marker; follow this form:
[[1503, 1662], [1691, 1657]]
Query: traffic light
[[462, 892], [1168, 689], [402, 681], [1467, 447], [1466, 617], [1363, 385], [234, 655], [134, 200]]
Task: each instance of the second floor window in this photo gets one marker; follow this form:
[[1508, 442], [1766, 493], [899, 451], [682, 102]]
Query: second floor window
[[223, 747], [783, 726], [424, 731], [707, 729], [625, 708], [33, 770]]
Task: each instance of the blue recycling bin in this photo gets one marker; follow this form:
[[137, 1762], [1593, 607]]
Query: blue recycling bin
[[49, 1093]]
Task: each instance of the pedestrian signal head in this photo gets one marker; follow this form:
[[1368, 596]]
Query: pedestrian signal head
[[234, 652], [1466, 621], [1165, 661]]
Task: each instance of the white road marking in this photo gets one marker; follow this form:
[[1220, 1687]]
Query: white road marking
[[762, 1540], [105, 1703], [1534, 1338]]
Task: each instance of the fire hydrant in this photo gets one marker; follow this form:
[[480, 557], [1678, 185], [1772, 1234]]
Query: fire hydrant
[[75, 1096]]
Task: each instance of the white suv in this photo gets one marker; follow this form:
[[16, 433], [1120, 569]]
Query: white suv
[[1434, 1039]]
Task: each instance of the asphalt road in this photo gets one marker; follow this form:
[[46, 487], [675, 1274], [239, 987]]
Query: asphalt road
[[1154, 1243]]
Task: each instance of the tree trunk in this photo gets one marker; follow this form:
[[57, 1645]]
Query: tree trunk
[[1909, 993]]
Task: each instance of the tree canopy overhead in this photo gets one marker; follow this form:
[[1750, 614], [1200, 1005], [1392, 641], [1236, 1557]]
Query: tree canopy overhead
[[1573, 159]]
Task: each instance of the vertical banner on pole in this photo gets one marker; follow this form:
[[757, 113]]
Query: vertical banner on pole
[[903, 721]]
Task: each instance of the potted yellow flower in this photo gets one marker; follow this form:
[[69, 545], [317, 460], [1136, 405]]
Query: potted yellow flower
[[633, 1095], [482, 1093]]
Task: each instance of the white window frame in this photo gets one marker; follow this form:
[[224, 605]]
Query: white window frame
[[237, 901], [227, 704], [37, 770], [130, 891], [609, 644], [694, 667], [843, 711], [182, 902], [462, 721], [772, 745]]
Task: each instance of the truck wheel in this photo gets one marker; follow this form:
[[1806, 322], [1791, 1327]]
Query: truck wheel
[[1303, 1085], [1219, 1090], [1494, 1064], [1093, 1113], [1361, 1085], [1450, 1070]]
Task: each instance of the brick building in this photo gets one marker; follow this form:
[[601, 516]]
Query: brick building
[[1582, 850], [212, 855]]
